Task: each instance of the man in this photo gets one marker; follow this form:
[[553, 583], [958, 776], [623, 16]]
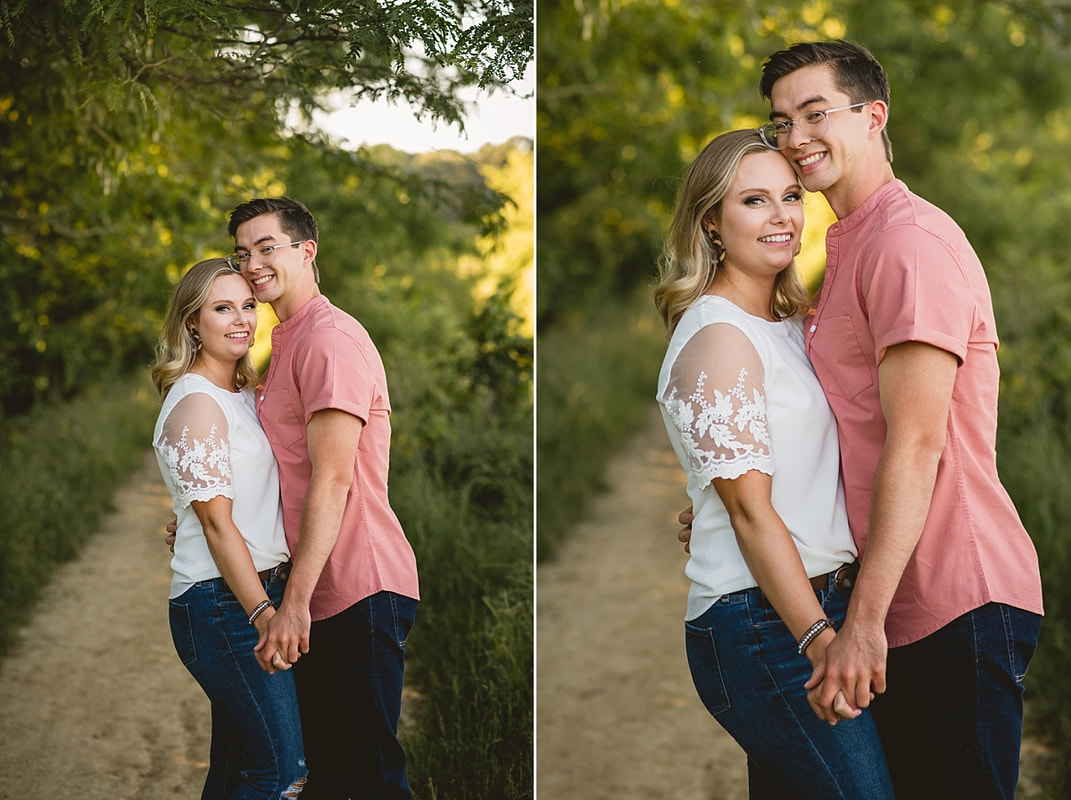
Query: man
[[902, 338], [352, 595]]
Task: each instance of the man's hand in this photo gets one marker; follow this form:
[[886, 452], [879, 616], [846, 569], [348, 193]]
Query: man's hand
[[684, 535], [171, 528], [275, 662], [285, 636], [850, 672]]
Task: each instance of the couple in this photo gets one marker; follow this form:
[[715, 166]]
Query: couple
[[882, 450], [297, 465]]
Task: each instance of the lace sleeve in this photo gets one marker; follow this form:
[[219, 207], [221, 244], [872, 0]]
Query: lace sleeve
[[194, 443], [717, 401]]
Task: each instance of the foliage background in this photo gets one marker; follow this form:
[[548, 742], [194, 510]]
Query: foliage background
[[127, 131], [628, 91]]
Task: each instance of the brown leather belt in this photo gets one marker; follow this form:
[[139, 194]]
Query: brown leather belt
[[843, 578], [281, 572]]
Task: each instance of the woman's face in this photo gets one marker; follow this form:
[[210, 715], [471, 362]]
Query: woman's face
[[761, 217], [227, 320]]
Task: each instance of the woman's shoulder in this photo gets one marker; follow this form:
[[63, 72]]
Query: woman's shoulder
[[711, 310], [201, 395]]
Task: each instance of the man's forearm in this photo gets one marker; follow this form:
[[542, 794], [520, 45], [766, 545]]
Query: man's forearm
[[916, 382], [321, 521], [903, 490]]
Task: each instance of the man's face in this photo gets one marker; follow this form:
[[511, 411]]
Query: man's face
[[274, 274], [829, 160]]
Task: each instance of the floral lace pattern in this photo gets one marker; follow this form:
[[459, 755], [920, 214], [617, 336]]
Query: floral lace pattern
[[724, 438], [201, 468]]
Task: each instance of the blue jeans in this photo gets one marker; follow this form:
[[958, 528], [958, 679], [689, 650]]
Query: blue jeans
[[951, 719], [750, 677], [256, 749], [350, 691]]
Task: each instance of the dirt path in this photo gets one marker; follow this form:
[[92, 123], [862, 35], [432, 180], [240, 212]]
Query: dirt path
[[96, 704], [616, 714]]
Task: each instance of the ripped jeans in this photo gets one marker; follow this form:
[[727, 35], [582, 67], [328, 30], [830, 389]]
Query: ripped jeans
[[257, 751]]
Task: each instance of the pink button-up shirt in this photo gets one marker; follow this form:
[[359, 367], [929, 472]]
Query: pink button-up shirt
[[323, 358], [899, 269]]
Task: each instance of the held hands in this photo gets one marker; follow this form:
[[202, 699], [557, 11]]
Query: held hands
[[285, 646], [848, 670], [276, 663], [285, 635]]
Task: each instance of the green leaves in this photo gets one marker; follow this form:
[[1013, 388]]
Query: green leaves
[[129, 127]]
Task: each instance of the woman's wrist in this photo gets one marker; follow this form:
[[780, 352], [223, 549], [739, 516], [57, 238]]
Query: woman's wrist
[[817, 648], [256, 613]]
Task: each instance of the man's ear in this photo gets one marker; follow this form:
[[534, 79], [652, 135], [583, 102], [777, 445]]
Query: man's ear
[[879, 116]]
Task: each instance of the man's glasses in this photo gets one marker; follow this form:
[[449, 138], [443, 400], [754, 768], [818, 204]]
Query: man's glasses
[[265, 253], [813, 124]]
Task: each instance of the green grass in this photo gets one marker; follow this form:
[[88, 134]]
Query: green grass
[[471, 648], [596, 373], [1034, 465]]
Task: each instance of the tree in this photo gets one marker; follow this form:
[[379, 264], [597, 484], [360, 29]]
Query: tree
[[127, 127]]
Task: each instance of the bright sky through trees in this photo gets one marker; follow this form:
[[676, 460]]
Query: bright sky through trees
[[492, 119]]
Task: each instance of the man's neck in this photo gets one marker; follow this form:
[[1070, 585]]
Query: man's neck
[[845, 201], [287, 307]]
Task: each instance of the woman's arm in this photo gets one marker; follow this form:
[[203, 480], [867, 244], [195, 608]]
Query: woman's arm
[[772, 556], [231, 554], [195, 438]]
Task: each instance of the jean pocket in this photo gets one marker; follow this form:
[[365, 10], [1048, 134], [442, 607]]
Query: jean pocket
[[402, 616], [182, 632], [1021, 630], [706, 671]]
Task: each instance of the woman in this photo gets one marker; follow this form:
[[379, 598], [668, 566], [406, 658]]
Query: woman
[[771, 552], [231, 557]]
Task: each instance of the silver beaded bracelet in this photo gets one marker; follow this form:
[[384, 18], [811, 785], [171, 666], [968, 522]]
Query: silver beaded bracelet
[[815, 629], [259, 610]]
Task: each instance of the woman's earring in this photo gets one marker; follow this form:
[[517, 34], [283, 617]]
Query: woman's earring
[[717, 247], [197, 343]]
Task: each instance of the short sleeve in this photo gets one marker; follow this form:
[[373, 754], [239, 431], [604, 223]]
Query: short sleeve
[[333, 372], [194, 443], [717, 402], [916, 290]]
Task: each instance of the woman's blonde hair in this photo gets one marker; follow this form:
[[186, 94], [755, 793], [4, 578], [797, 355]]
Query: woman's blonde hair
[[689, 260], [177, 348]]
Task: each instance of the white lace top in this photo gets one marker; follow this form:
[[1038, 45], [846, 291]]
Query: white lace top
[[737, 393], [209, 442]]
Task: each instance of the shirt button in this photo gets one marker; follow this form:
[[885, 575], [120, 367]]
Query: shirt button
[[813, 328]]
